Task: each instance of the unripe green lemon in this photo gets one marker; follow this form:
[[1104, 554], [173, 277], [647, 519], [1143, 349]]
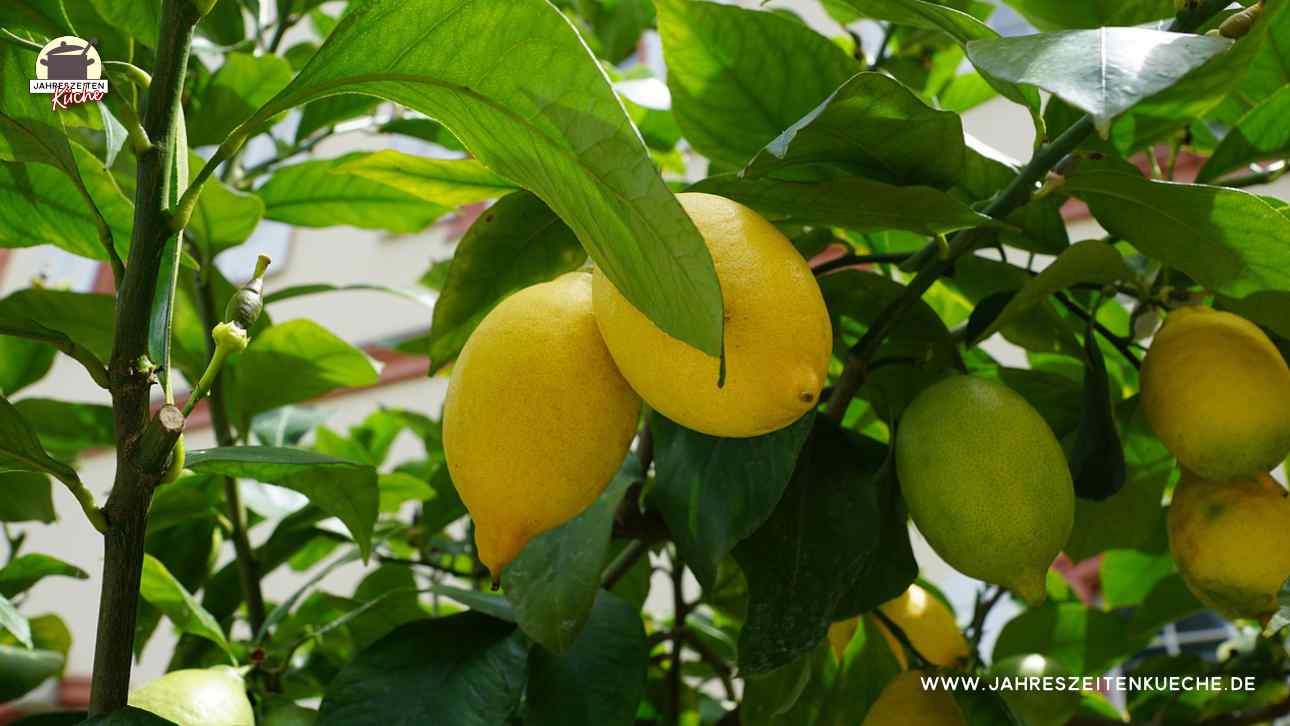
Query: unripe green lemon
[[537, 419], [1231, 540], [197, 697], [903, 702], [1217, 393], [986, 482], [778, 338], [1031, 702]]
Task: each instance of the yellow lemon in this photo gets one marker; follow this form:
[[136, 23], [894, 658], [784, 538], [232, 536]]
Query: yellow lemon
[[924, 619], [777, 333], [904, 702], [1231, 540], [197, 697], [986, 482], [537, 419], [1217, 393]]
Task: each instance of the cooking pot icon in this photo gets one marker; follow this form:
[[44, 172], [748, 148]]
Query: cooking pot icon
[[69, 62]]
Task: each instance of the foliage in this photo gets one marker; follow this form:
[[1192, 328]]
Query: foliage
[[929, 246]]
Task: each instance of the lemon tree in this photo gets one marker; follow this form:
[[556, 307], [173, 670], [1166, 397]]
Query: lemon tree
[[763, 390]]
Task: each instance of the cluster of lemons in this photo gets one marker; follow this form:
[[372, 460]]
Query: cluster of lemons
[[545, 397]]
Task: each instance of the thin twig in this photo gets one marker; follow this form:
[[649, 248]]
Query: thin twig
[[917, 658], [1123, 345], [851, 260], [623, 563]]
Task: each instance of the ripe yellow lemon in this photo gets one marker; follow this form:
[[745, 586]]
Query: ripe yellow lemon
[[925, 620], [197, 697], [537, 419], [903, 702], [986, 482], [1217, 393], [778, 338], [1231, 540]]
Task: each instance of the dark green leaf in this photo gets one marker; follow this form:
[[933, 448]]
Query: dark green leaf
[[856, 203], [139, 19], [22, 363], [161, 590], [873, 127], [20, 449], [608, 664], [553, 583], [66, 429], [42, 17], [311, 194], [561, 133], [22, 669], [985, 708], [85, 319], [1085, 640], [26, 497], [1097, 457], [340, 488], [465, 670], [886, 577], [715, 492], [814, 545], [224, 24], [445, 182], [729, 101], [1228, 240], [25, 571], [1063, 15], [515, 243], [770, 695], [1170, 600], [1104, 72]]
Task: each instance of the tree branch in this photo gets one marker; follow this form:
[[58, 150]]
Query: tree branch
[[129, 376]]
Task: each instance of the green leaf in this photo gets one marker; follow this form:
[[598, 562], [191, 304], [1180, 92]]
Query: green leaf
[[22, 669], [873, 126], [1062, 15], [774, 693], [561, 133], [20, 449], [515, 243], [310, 194], [22, 362], [342, 489], [715, 492], [1270, 308], [240, 86], [1230, 241], [445, 182], [26, 497], [814, 545], [553, 583], [887, 577], [859, 204], [1104, 72], [1085, 640], [1088, 261], [224, 24], [224, 217], [465, 670], [161, 590], [61, 318], [729, 101], [29, 129], [332, 110], [287, 425], [1128, 576], [66, 429], [25, 571], [960, 26], [296, 361], [13, 622], [43, 17], [608, 663], [1261, 134], [1265, 69], [1096, 458], [1039, 329], [140, 20], [1170, 600]]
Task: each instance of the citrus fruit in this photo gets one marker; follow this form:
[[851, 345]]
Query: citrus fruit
[[1231, 540], [197, 697], [1217, 393], [1035, 705], [778, 337], [986, 482], [537, 419], [903, 702], [926, 621]]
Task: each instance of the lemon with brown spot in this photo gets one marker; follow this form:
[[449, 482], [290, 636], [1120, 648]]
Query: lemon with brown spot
[[537, 419], [1231, 540], [1217, 393], [778, 338]]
